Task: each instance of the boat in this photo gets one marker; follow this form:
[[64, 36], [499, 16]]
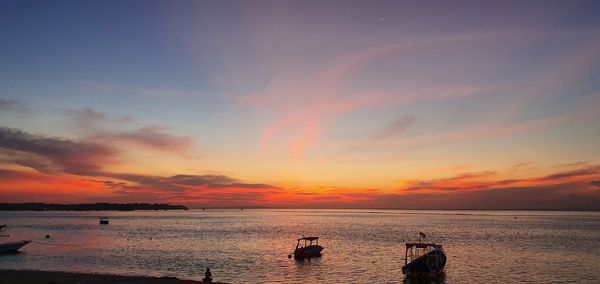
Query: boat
[[104, 221], [306, 249], [13, 247], [424, 259], [2, 227]]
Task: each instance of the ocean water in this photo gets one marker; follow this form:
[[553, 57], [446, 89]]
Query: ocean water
[[361, 246]]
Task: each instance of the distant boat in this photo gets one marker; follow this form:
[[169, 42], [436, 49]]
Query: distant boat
[[12, 247], [104, 221], [306, 249], [2, 227], [424, 259]]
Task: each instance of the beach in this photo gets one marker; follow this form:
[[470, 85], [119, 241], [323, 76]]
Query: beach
[[41, 277]]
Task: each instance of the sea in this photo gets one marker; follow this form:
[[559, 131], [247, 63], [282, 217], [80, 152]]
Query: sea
[[360, 246]]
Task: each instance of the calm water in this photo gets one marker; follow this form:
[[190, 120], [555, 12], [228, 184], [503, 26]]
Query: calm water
[[361, 246]]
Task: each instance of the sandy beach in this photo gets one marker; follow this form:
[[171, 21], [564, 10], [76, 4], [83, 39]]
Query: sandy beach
[[47, 277]]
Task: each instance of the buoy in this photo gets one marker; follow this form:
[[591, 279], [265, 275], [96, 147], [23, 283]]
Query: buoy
[[289, 256], [47, 236]]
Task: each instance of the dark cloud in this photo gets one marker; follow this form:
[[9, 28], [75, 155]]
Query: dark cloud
[[112, 184], [593, 170], [194, 190], [96, 127], [203, 180], [8, 104], [184, 182], [574, 164], [562, 196], [568, 190], [395, 128], [470, 181], [41, 152], [452, 183], [10, 174], [523, 166]]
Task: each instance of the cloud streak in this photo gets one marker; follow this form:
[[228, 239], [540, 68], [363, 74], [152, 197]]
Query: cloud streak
[[152, 136], [97, 126], [77, 157], [8, 104], [396, 128]]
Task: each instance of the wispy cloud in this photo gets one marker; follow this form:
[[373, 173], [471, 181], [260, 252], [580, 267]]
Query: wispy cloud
[[307, 103], [101, 128], [486, 180], [153, 136], [524, 166], [9, 104], [395, 128], [587, 171], [569, 190], [136, 91], [86, 118]]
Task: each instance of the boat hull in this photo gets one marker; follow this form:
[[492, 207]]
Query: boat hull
[[12, 247], [430, 264], [308, 252]]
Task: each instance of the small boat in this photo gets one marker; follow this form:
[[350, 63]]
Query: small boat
[[424, 259], [306, 249], [2, 227], [13, 247], [104, 221]]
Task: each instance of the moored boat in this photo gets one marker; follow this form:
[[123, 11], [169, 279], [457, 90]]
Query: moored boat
[[424, 259], [13, 247], [104, 221], [306, 249]]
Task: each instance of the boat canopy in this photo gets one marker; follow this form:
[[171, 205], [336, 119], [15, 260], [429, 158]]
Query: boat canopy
[[308, 238], [422, 245]]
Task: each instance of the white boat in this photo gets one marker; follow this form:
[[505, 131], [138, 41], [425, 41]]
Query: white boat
[[13, 247]]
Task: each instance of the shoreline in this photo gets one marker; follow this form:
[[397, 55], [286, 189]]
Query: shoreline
[[9, 276]]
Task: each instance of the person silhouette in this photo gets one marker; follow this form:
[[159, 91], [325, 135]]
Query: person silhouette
[[207, 276]]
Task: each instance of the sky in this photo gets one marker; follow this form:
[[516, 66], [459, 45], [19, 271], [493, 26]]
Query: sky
[[311, 104]]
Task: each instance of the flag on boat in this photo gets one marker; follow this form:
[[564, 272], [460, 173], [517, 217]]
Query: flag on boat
[[422, 235]]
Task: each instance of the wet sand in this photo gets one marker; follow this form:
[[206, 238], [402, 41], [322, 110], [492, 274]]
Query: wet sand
[[47, 277]]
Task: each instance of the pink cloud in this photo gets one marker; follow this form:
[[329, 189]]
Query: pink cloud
[[306, 104]]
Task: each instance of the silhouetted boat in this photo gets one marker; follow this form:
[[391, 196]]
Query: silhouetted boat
[[104, 221], [12, 247], [423, 259], [307, 249], [2, 227]]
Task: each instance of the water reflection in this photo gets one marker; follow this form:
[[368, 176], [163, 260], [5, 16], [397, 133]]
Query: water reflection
[[439, 279], [360, 246]]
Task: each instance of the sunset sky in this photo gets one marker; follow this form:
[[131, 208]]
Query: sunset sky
[[316, 104]]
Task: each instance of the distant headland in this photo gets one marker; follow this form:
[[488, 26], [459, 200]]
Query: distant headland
[[88, 207]]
